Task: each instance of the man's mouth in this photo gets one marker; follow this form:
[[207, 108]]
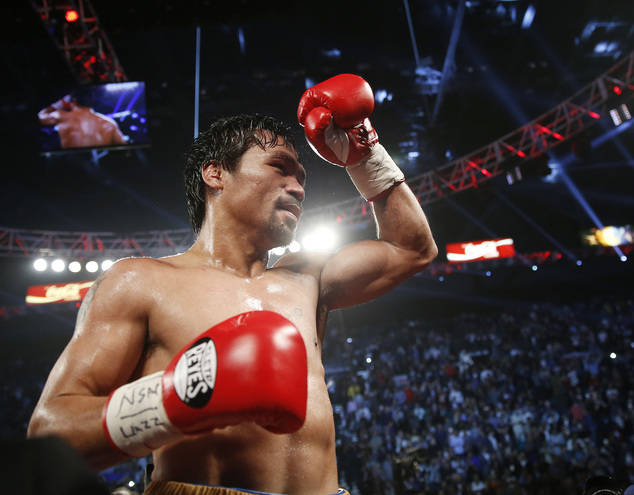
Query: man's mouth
[[293, 208]]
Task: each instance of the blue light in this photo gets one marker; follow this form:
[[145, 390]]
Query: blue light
[[380, 95], [528, 17]]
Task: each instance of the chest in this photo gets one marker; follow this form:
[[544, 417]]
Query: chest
[[189, 305]]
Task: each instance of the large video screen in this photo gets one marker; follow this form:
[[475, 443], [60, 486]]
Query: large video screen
[[102, 116]]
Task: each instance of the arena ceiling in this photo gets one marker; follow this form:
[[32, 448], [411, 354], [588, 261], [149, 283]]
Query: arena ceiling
[[505, 64]]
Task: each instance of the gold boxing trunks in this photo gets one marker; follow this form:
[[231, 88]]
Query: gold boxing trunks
[[176, 488]]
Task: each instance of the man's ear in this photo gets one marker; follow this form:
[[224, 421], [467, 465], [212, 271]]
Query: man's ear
[[212, 175]]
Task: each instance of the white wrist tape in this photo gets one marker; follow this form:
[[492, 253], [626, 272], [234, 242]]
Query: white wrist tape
[[135, 420], [375, 174]]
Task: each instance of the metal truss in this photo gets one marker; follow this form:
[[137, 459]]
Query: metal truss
[[438, 271], [93, 245], [516, 149], [83, 44]]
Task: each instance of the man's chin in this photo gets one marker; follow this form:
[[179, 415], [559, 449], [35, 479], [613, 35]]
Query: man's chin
[[282, 236]]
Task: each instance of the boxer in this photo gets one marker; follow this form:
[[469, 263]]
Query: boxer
[[211, 359]]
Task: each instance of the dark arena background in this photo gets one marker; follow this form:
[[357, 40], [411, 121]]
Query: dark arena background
[[507, 366]]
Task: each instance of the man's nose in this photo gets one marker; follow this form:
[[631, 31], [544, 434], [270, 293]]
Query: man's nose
[[295, 189]]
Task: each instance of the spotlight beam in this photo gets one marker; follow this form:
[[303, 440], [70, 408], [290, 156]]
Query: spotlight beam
[[534, 224], [449, 58], [576, 193]]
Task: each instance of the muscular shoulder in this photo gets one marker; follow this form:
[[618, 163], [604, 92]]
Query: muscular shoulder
[[134, 270], [125, 286], [304, 262]]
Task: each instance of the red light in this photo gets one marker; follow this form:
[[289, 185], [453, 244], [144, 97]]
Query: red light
[[617, 90], [71, 15], [594, 115], [339, 219], [521, 154]]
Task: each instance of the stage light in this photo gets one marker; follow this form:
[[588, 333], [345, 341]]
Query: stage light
[[278, 251], [321, 239], [380, 95], [74, 266], [620, 114], [40, 264], [105, 264], [294, 247], [71, 15], [529, 16], [92, 266], [58, 265], [616, 118]]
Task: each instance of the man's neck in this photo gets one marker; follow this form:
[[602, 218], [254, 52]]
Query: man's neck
[[230, 254]]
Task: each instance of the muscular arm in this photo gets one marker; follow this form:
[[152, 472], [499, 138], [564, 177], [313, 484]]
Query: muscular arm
[[117, 136], [335, 114], [112, 132], [51, 115], [365, 270], [103, 353]]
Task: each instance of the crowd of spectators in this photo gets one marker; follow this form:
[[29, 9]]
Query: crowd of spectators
[[518, 401], [528, 400]]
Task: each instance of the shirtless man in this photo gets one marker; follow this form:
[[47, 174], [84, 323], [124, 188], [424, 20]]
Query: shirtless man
[[245, 186], [79, 126]]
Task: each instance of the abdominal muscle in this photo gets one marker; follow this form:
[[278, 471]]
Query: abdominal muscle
[[249, 457]]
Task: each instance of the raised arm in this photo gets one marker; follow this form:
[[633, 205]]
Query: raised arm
[[103, 354], [365, 270], [335, 115], [51, 115]]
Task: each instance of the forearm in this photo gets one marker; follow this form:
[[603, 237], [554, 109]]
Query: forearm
[[401, 221], [48, 116], [77, 420]]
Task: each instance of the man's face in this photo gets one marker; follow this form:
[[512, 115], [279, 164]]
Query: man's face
[[266, 191]]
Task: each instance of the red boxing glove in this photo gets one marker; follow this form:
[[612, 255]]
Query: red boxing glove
[[335, 114], [251, 367]]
